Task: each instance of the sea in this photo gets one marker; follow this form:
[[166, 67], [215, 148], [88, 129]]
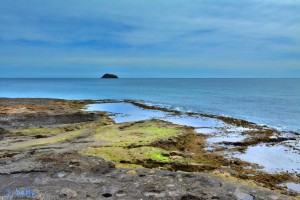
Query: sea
[[271, 102]]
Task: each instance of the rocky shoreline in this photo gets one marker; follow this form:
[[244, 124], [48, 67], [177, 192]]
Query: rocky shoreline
[[53, 149]]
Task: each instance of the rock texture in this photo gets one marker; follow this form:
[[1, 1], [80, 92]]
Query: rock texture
[[72, 176], [2, 132]]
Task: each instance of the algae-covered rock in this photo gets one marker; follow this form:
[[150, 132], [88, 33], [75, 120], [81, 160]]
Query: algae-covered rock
[[131, 143]]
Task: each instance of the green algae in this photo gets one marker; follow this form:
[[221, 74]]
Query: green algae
[[35, 131], [139, 134], [130, 143], [160, 157], [150, 153], [114, 154], [129, 156]]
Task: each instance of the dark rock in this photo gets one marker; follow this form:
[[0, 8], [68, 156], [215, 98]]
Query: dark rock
[[106, 195], [43, 119], [117, 184], [109, 76], [2, 132]]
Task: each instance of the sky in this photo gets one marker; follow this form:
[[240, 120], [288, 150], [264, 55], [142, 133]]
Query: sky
[[150, 38]]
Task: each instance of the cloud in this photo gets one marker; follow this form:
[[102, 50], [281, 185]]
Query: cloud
[[190, 33]]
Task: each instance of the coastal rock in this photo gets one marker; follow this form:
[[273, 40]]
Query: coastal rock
[[53, 149], [15, 121], [109, 76], [118, 184]]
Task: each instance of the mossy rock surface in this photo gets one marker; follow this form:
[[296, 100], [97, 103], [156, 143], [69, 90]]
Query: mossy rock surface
[[35, 131], [131, 143], [136, 134]]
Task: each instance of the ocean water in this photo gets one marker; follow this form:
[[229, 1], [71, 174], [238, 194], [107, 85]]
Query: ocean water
[[273, 102]]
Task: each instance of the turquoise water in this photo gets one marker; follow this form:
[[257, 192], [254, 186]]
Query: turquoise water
[[274, 102]]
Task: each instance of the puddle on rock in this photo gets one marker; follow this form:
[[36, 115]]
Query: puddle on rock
[[196, 122], [295, 187], [292, 144], [126, 112], [207, 131], [227, 138], [273, 159]]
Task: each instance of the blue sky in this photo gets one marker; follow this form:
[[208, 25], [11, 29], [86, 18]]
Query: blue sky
[[149, 38]]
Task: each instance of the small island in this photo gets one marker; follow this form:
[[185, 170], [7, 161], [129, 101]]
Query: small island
[[109, 76]]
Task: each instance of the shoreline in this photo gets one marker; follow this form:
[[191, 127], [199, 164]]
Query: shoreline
[[148, 105], [253, 101], [163, 145], [144, 104]]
